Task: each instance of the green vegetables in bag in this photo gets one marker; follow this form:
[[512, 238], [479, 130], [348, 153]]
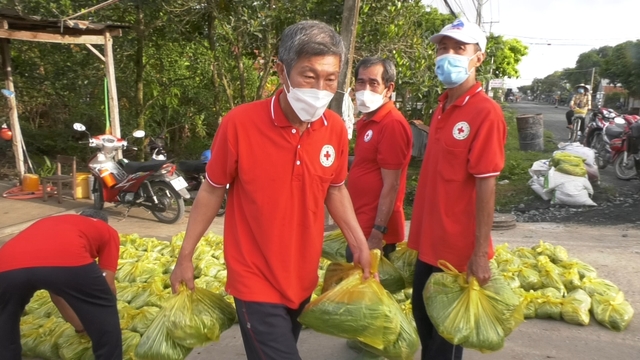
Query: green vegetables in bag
[[355, 309], [390, 277], [469, 315], [130, 341], [529, 302], [550, 275], [40, 339], [575, 308], [404, 259], [549, 304], [612, 311], [405, 345], [583, 268], [529, 279], [196, 318], [334, 247], [74, 346], [156, 344], [596, 286], [570, 279], [143, 319]]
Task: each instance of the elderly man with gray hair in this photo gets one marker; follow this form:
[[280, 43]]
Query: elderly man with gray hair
[[284, 159]]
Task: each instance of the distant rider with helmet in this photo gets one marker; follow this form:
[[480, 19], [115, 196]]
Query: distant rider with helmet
[[580, 104]]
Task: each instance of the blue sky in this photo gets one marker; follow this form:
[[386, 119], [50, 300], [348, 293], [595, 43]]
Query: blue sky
[[571, 27]]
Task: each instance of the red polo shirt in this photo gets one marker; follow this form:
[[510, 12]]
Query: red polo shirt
[[465, 142], [64, 240], [382, 142], [278, 181]]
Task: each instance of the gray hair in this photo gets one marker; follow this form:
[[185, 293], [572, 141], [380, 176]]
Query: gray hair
[[95, 214], [308, 38], [388, 68]]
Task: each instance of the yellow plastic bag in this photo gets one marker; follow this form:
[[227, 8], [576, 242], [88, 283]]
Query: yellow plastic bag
[[549, 304], [40, 298], [130, 341], [469, 315], [612, 311], [156, 344], [583, 268], [40, 339], [355, 309], [139, 270], [334, 247], [529, 302], [524, 253], [550, 275], [128, 291], [570, 279], [211, 284], [196, 318], [510, 276], [407, 342], [151, 294], [143, 319], [335, 273], [74, 346], [529, 279], [596, 286], [575, 308], [126, 313], [404, 259], [569, 164], [390, 277], [556, 254]]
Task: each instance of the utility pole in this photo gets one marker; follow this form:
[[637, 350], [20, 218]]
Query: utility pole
[[479, 4], [348, 28], [593, 75], [350, 12]]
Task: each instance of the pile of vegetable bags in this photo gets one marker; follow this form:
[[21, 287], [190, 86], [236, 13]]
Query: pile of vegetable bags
[[565, 178], [553, 285], [155, 324]]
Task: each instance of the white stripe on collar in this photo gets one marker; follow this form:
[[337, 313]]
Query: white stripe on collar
[[468, 96]]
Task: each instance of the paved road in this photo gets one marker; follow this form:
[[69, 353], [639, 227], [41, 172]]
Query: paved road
[[555, 121]]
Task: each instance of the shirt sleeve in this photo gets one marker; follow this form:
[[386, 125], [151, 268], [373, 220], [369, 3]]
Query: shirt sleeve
[[109, 252], [394, 145], [487, 155], [223, 165], [342, 156]]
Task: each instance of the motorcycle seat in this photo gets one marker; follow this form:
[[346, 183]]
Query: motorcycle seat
[[613, 132], [192, 166], [133, 167]]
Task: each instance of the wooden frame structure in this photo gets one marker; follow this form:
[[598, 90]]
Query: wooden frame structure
[[15, 26]]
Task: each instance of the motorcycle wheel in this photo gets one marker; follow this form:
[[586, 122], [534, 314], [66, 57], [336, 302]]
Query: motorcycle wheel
[[223, 206], [171, 198], [598, 145], [624, 171], [98, 196]]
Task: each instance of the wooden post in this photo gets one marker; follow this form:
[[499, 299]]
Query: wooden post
[[348, 28], [109, 69], [13, 109]]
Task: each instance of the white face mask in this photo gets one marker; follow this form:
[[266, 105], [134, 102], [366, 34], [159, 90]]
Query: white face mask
[[369, 101], [309, 104]]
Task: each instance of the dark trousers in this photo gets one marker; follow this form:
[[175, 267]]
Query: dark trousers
[[269, 331], [386, 251], [434, 346], [82, 287]]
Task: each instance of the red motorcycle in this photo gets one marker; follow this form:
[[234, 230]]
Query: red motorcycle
[[603, 130], [624, 160], [152, 185]]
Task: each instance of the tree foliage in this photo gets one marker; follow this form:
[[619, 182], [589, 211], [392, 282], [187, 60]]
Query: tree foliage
[[183, 64]]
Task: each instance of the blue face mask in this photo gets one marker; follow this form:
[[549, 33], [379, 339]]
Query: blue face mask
[[452, 70], [580, 91]]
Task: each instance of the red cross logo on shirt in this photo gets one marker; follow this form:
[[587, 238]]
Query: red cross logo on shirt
[[327, 155], [461, 130]]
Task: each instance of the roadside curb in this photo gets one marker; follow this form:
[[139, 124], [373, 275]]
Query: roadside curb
[[16, 228]]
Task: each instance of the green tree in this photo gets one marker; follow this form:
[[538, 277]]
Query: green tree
[[621, 67], [503, 57]]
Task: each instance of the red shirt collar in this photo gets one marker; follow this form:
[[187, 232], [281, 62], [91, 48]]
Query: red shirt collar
[[462, 100], [382, 111], [279, 119]]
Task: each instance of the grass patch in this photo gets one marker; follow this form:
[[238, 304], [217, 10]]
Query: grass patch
[[516, 170]]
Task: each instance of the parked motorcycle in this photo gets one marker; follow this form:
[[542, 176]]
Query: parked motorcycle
[[605, 134], [193, 170], [152, 185]]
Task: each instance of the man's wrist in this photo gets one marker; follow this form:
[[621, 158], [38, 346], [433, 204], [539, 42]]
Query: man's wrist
[[380, 228]]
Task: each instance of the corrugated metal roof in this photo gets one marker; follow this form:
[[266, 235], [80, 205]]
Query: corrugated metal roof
[[17, 21]]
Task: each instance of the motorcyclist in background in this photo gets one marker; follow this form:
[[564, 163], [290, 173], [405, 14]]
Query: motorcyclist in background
[[580, 104]]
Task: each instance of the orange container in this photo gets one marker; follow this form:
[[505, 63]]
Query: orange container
[[30, 182], [108, 178]]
